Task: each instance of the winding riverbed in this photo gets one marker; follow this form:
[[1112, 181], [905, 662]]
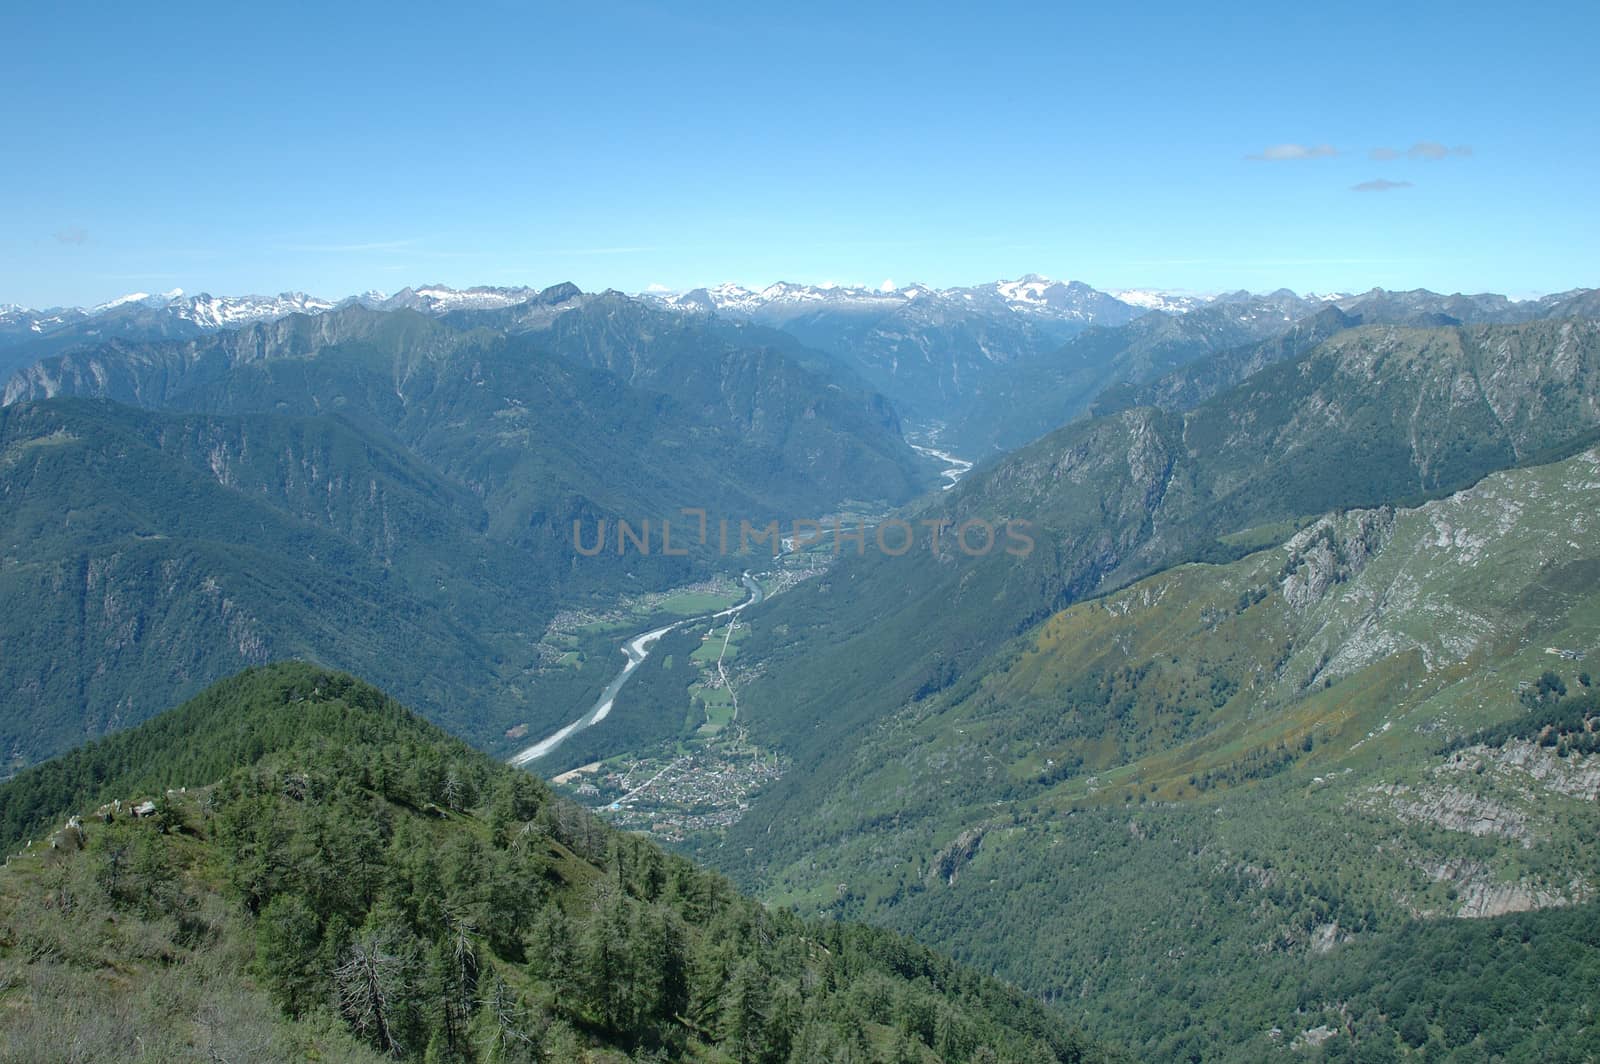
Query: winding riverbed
[[637, 650], [955, 468]]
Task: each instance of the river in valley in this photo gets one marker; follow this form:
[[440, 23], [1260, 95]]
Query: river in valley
[[637, 650], [955, 468]]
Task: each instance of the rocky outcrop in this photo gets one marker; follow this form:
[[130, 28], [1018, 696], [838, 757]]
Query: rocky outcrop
[[1481, 900], [948, 861], [1533, 766], [1326, 936], [1454, 809], [1331, 552], [1480, 893]]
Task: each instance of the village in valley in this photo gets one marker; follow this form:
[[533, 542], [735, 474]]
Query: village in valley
[[674, 797], [705, 781]]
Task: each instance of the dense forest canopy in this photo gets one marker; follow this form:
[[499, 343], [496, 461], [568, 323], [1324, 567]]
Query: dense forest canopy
[[356, 882]]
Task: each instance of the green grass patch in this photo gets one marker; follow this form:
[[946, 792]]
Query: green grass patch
[[694, 603]]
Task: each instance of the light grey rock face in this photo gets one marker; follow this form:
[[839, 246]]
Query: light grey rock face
[[1444, 581], [1481, 892], [1518, 794], [1313, 1037], [1480, 900], [1454, 809], [947, 863], [1531, 768], [1333, 551], [1324, 937]]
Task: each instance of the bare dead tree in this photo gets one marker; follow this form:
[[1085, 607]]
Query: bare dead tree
[[370, 983], [453, 790], [511, 1034], [462, 985]]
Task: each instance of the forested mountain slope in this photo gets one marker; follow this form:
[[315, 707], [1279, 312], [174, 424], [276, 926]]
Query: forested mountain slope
[[384, 492], [1214, 805], [145, 554], [1374, 416], [352, 884]]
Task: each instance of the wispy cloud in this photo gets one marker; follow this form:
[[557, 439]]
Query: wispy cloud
[[1278, 153], [1430, 150], [1379, 184], [72, 234], [349, 249]]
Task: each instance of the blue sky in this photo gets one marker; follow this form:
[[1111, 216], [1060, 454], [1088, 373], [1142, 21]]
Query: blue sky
[[238, 148]]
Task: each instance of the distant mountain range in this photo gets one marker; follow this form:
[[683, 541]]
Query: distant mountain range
[[777, 304], [983, 367], [1030, 296], [27, 335], [992, 366], [138, 315]]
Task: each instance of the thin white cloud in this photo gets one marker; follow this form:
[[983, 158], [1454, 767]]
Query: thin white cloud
[[1278, 153], [601, 251], [1430, 150], [1379, 184], [72, 234]]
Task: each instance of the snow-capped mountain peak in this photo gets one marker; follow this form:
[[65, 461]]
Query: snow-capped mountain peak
[[175, 314], [440, 299], [1032, 296], [143, 298], [1158, 299], [224, 312]]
